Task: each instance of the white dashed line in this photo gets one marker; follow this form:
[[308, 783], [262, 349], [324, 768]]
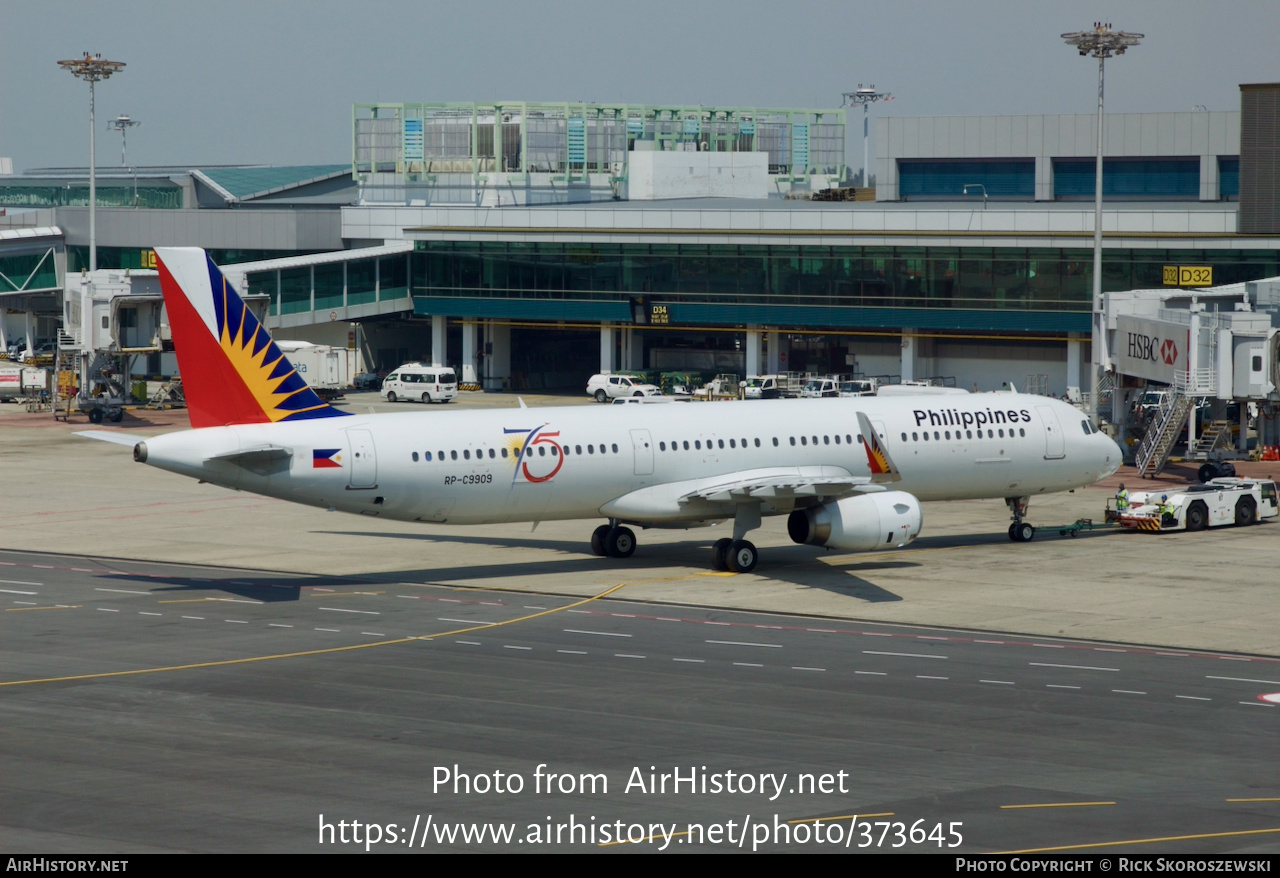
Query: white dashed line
[[1128, 692], [1059, 686], [145, 613], [927, 677], [373, 633], [201, 618], [692, 661], [998, 682], [802, 668], [1245, 680], [1049, 645], [468, 642], [598, 633], [344, 610], [121, 591], [236, 621], [1193, 698], [626, 655], [330, 630], [1072, 667], [1173, 654], [905, 654], [278, 625], [748, 665], [464, 621], [996, 642], [16, 591], [872, 673], [107, 610], [745, 643], [572, 651], [509, 646]]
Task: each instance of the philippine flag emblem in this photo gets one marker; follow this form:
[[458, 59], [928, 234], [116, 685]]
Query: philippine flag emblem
[[326, 458]]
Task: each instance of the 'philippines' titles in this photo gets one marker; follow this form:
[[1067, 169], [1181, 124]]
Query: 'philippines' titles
[[956, 418]]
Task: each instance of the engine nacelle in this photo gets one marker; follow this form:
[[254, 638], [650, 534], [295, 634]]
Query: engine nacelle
[[861, 523]]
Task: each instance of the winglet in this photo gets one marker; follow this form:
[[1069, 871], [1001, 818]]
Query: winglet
[[879, 462], [232, 372]]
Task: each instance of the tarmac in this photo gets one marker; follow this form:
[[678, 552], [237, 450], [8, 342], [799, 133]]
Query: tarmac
[[1214, 590]]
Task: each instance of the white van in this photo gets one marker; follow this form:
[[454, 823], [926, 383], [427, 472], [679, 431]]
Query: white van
[[432, 383]]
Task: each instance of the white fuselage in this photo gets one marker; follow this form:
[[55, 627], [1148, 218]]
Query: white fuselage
[[633, 463]]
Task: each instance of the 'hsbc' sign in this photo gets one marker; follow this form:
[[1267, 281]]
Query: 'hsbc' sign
[[1151, 349]]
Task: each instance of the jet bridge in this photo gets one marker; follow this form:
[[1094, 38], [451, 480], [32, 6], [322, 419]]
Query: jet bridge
[[109, 318], [1219, 344]]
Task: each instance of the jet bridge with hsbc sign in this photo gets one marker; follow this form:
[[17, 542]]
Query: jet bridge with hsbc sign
[[1221, 343]]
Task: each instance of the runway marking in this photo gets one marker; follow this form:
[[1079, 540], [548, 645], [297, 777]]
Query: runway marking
[[1244, 680], [468, 642], [1072, 667], [1059, 686], [236, 621], [998, 682], [201, 618], [464, 621], [308, 652], [1128, 692], [746, 643], [801, 668], [904, 654], [1054, 805], [107, 610], [927, 677], [509, 646], [1167, 838], [627, 655], [58, 607], [269, 624], [145, 613], [572, 651], [16, 591], [1173, 654], [692, 661], [1193, 698], [873, 673], [122, 591], [599, 633], [1254, 800], [340, 610], [748, 665]]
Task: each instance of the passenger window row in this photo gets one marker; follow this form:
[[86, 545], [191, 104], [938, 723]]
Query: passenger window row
[[940, 435], [538, 450]]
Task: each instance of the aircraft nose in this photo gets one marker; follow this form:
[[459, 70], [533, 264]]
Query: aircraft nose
[[1113, 456]]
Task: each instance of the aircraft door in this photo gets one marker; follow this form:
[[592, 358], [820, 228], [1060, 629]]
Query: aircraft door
[[364, 459], [1054, 441], [642, 445]]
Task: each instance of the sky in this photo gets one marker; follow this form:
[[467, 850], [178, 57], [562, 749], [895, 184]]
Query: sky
[[273, 81]]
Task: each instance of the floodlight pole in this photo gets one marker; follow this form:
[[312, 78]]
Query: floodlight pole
[[1101, 43], [865, 96], [91, 68]]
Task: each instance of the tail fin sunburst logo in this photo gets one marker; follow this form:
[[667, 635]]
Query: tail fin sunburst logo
[[232, 371]]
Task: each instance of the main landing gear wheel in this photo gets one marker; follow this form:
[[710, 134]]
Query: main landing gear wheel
[[743, 556], [1021, 532], [620, 542], [597, 540], [720, 554]]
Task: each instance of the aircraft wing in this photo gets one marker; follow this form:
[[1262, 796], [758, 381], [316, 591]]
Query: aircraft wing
[[784, 488]]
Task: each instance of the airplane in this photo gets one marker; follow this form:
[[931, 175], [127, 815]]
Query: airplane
[[826, 464]]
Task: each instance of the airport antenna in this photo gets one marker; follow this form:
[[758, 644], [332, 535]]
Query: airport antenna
[[865, 96], [1102, 42], [92, 68]]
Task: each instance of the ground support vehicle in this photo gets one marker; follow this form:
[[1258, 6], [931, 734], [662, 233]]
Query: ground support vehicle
[[20, 383], [723, 386], [1194, 507], [607, 385], [428, 383]]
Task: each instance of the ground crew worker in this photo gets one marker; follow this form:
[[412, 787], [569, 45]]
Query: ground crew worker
[[1122, 499], [1166, 511]]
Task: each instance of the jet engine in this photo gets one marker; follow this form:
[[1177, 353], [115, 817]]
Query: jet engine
[[861, 523]]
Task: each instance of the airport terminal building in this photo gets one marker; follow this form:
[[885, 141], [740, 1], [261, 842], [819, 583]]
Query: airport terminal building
[[533, 244]]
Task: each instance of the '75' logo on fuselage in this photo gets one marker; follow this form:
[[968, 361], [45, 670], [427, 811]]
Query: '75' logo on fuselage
[[533, 450]]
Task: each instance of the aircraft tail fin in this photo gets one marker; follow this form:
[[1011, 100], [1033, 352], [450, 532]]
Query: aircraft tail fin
[[232, 372], [880, 463]]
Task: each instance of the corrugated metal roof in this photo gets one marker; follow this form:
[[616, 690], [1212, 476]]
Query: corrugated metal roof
[[244, 183]]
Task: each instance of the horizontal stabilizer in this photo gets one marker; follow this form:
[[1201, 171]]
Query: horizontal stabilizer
[[105, 436]]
